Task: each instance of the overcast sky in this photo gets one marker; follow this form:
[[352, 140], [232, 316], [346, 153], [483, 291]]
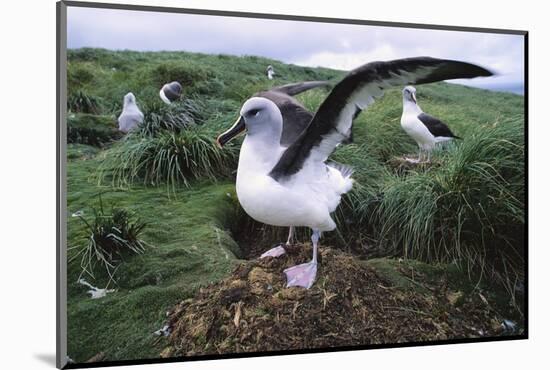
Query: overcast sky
[[304, 43]]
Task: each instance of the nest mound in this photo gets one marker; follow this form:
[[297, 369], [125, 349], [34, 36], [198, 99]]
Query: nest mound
[[404, 164], [349, 304]]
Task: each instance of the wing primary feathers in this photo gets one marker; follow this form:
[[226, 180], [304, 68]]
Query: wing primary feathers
[[436, 127], [300, 87], [332, 123]]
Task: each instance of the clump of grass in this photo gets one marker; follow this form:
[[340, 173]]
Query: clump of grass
[[356, 215], [80, 102], [176, 117], [469, 210], [171, 147], [171, 158], [111, 237]]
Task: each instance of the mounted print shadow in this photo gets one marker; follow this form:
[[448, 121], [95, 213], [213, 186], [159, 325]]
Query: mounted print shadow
[[231, 189]]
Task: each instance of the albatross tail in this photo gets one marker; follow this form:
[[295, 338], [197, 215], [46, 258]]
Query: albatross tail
[[341, 177]]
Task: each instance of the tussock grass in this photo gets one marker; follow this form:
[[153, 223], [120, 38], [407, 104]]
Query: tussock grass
[[176, 117], [468, 210], [111, 237], [467, 207], [170, 158], [171, 147]]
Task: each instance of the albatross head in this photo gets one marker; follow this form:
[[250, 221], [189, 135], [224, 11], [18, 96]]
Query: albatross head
[[260, 118], [409, 94], [129, 99]]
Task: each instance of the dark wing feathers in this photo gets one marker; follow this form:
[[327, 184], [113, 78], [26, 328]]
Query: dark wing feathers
[[332, 123], [435, 126], [295, 116], [300, 87]]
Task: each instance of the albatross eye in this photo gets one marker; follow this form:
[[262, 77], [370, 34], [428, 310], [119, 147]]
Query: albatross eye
[[254, 112]]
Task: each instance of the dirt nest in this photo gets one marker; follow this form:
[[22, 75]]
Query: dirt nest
[[349, 304], [404, 164]]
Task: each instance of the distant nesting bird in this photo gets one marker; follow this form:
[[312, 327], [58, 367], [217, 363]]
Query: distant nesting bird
[[131, 116], [294, 185], [270, 72], [426, 130], [171, 92]]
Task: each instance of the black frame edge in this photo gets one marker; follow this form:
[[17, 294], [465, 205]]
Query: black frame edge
[[61, 225], [227, 13]]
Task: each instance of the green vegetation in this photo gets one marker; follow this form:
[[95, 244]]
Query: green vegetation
[[79, 101], [190, 249], [110, 75], [175, 117], [170, 158], [467, 207], [111, 237], [172, 146], [91, 129], [463, 213]]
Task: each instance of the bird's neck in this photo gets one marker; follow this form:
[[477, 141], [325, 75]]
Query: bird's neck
[[411, 107], [259, 154]]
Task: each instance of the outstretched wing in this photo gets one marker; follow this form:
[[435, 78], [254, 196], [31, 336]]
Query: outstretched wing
[[435, 126], [332, 122], [300, 87]]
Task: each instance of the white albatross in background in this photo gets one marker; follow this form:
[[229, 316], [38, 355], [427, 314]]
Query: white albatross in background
[[270, 72], [426, 130], [294, 186], [131, 116]]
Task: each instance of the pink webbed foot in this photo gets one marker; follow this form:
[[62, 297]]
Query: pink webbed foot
[[301, 275], [274, 252]]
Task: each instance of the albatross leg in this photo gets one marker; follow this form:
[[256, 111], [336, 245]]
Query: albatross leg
[[304, 275], [413, 160], [290, 239]]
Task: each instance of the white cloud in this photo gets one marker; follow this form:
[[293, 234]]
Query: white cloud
[[347, 60]]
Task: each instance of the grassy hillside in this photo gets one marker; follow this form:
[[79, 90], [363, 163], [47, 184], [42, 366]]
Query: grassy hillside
[[465, 211]]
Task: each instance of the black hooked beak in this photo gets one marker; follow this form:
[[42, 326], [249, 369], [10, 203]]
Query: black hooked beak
[[237, 128]]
